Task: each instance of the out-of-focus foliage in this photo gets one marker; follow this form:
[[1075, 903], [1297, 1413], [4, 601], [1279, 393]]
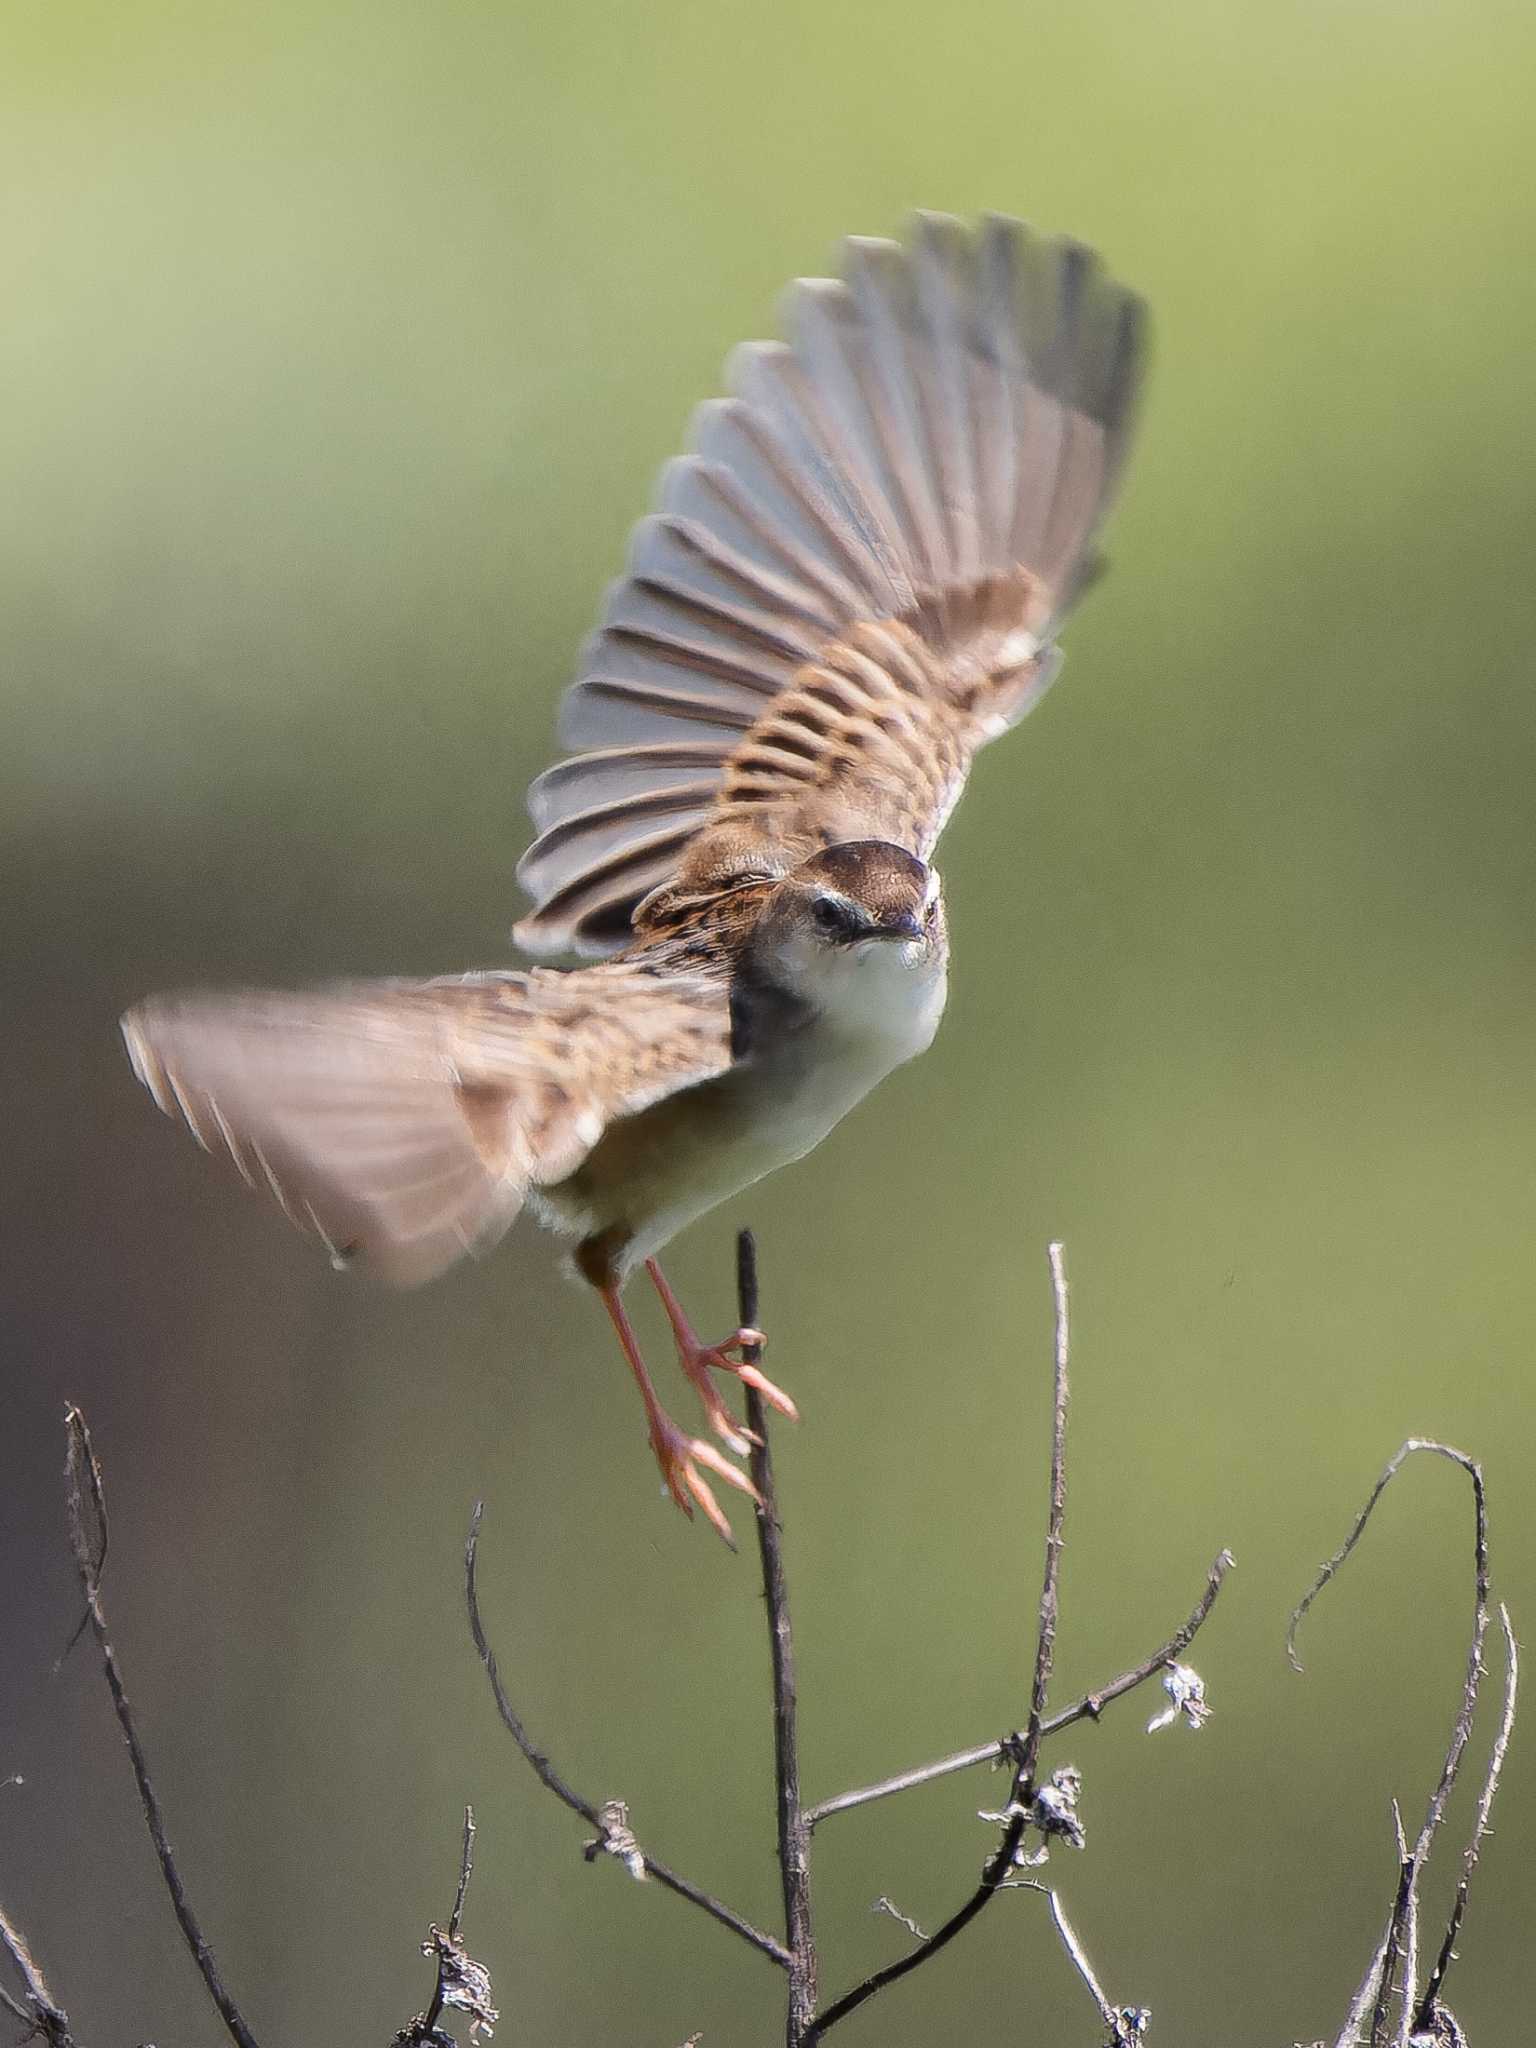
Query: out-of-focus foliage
[[340, 346]]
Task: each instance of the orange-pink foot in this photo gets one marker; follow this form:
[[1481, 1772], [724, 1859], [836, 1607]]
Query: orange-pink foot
[[699, 1360], [680, 1455]]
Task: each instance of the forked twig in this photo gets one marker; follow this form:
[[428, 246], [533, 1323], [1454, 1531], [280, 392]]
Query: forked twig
[[1089, 1708], [87, 1510], [601, 1818]]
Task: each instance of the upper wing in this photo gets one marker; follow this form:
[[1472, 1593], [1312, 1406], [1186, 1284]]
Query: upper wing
[[405, 1121], [854, 579]]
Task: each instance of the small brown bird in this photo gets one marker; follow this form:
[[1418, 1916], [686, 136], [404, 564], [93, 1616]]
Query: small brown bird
[[851, 583]]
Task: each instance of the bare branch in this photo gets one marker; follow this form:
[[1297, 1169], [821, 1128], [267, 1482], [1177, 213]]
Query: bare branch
[[1088, 1708], [794, 1834], [589, 1810], [87, 1509], [42, 2014]]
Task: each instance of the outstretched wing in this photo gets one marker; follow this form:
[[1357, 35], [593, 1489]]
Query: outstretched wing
[[403, 1122], [853, 580]]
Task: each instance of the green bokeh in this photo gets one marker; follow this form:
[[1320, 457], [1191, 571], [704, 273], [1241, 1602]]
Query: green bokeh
[[340, 349]]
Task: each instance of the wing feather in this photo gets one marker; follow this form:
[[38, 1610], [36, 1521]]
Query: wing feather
[[853, 580], [404, 1122]]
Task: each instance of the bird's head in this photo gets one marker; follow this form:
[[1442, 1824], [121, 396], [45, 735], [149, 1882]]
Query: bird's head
[[857, 931]]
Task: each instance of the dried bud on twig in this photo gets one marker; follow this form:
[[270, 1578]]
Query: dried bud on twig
[[1186, 1695], [616, 1839], [1130, 2024], [1053, 1812], [461, 1981]]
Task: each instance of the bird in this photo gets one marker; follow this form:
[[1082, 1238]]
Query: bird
[[852, 581]]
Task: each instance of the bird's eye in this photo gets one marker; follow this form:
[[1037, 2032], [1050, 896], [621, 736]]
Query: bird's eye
[[832, 917]]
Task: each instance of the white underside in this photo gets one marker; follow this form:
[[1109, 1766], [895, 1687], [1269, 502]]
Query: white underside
[[714, 1140]]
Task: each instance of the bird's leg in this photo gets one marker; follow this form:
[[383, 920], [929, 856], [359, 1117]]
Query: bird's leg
[[698, 1360], [677, 1453]]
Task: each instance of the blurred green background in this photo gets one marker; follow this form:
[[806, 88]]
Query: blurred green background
[[341, 345]]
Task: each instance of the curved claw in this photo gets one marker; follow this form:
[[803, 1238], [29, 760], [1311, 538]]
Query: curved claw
[[679, 1457], [774, 1396]]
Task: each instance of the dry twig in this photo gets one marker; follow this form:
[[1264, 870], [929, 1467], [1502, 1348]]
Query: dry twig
[[1089, 1708], [794, 1833], [87, 1509]]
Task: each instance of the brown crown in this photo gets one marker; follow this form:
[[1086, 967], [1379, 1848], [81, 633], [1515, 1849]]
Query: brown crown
[[880, 877]]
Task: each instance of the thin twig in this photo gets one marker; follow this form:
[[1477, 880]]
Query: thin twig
[[1089, 1708], [1126, 2023], [1370, 1984], [1050, 1590], [466, 1870], [567, 1794], [1424, 2018], [42, 2014], [892, 1911], [1079, 1958], [1000, 1862], [794, 1834], [87, 1510], [1400, 1960], [1384, 1970]]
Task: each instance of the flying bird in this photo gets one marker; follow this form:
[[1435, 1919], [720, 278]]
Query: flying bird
[[852, 581]]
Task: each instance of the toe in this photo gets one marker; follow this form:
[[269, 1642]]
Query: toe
[[703, 1493], [706, 1454], [774, 1396]]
